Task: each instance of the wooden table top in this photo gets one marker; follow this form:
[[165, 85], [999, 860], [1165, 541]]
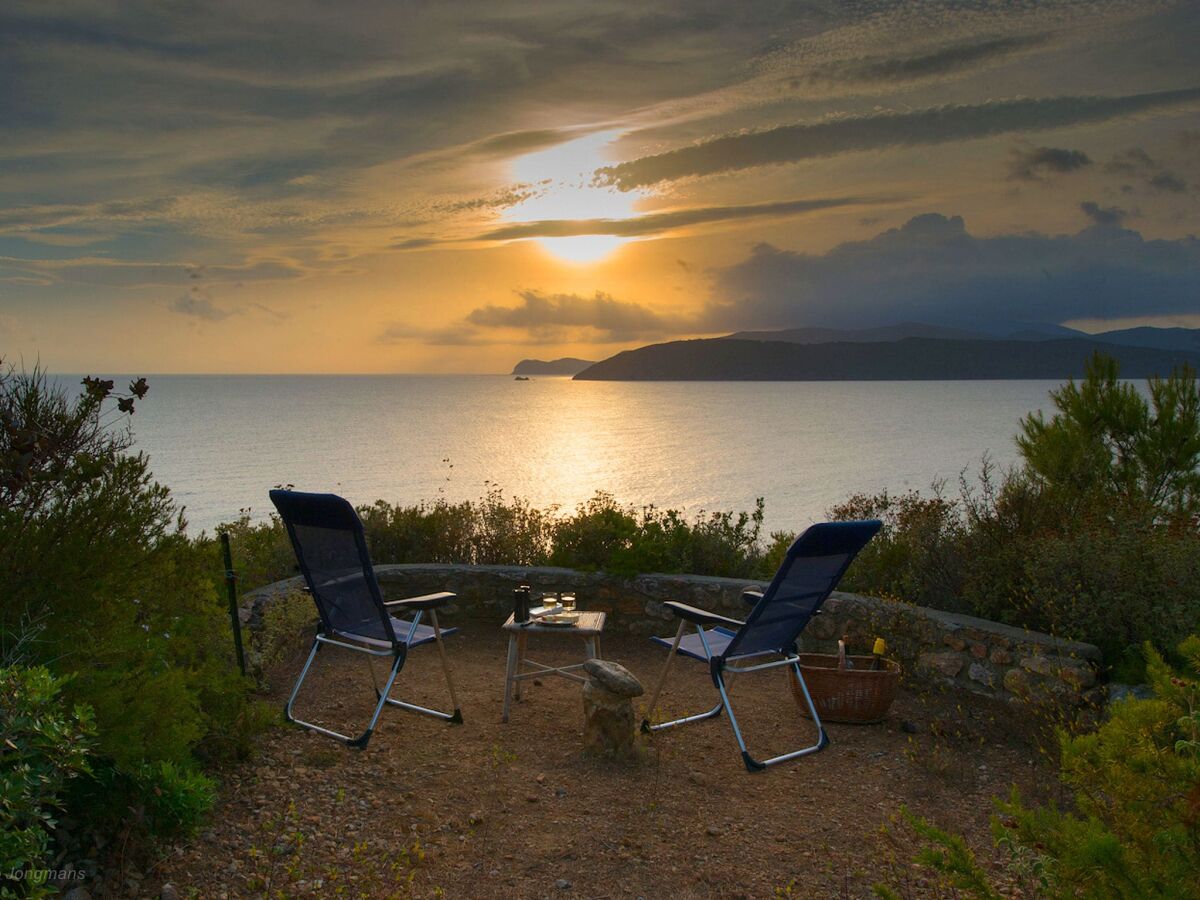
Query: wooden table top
[[589, 623]]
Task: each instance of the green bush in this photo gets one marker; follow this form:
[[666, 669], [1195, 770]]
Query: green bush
[[1107, 446], [918, 553], [1133, 828], [102, 584], [1094, 537], [599, 535], [156, 799], [43, 746]]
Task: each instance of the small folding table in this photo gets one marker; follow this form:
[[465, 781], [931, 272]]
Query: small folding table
[[520, 666]]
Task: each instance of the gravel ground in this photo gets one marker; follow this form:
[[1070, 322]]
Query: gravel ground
[[492, 810]]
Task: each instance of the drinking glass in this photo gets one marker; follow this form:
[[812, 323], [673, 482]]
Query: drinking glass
[[568, 602], [549, 601]]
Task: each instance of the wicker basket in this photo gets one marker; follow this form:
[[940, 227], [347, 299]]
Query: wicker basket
[[860, 695]]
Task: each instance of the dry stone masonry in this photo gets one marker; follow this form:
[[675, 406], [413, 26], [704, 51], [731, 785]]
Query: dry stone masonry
[[960, 652]]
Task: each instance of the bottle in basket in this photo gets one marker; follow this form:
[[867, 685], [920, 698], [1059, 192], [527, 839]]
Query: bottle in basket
[[880, 648]]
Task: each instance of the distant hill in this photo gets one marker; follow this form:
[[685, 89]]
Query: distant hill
[[910, 359], [856, 335], [1161, 338], [568, 365]]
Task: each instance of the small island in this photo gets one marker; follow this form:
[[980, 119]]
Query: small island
[[568, 366]]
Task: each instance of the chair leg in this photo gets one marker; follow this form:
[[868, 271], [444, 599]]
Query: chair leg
[[754, 765], [361, 741], [684, 720], [662, 679], [457, 718]]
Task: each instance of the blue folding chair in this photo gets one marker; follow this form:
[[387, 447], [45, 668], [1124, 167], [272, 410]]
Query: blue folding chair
[[331, 549], [811, 570]]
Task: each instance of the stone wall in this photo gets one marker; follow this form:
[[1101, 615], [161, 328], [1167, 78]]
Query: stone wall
[[965, 653]]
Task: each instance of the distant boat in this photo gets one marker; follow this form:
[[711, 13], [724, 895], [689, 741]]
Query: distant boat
[[521, 378]]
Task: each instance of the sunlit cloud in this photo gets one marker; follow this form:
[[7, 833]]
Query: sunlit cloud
[[540, 318], [936, 125]]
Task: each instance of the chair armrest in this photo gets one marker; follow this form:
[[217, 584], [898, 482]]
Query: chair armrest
[[700, 616], [750, 595], [425, 601]]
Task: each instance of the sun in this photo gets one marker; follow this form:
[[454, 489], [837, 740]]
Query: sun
[[583, 248], [569, 196]]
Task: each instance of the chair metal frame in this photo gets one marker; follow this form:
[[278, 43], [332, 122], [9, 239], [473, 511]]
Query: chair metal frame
[[396, 647], [720, 665], [718, 668], [399, 655]]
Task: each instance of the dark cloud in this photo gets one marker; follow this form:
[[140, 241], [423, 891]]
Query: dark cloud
[[1169, 182], [1134, 161], [199, 306], [792, 143], [1032, 165], [1137, 163], [933, 270], [933, 63], [1107, 216]]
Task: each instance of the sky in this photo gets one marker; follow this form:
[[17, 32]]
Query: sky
[[299, 186]]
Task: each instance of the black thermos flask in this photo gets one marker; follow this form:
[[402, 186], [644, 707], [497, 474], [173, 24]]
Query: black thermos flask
[[521, 603]]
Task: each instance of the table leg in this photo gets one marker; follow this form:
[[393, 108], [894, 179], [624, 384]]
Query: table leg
[[508, 675], [591, 648], [522, 652]]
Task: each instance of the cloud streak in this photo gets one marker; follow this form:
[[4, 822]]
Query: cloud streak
[[924, 64], [545, 318], [657, 223], [935, 125]]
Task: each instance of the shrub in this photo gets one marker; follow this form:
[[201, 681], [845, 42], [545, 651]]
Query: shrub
[[156, 799], [44, 745], [604, 535], [1106, 443], [1094, 537], [917, 554], [1134, 826], [599, 534], [93, 554]]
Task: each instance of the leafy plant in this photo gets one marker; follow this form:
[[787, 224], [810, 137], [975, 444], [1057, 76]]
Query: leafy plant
[[1133, 828], [1094, 537], [1106, 442], [42, 747]]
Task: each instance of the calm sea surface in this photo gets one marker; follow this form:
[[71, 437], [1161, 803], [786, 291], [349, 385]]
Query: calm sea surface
[[221, 442]]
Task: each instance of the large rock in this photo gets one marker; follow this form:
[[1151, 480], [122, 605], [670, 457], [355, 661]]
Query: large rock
[[608, 721], [614, 678]]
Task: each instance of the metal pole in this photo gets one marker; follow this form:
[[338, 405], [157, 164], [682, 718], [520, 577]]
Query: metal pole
[[231, 588]]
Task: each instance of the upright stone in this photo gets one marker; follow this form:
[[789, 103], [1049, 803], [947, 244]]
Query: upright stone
[[608, 721]]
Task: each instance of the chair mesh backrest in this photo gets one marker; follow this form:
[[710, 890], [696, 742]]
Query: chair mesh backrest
[[331, 548], [811, 570]]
